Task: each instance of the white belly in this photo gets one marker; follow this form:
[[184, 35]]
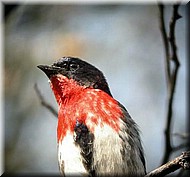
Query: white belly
[[70, 160], [113, 153]]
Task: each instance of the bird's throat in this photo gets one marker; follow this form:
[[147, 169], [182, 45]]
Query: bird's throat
[[64, 88]]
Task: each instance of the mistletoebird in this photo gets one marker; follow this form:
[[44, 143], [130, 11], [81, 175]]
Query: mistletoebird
[[95, 133]]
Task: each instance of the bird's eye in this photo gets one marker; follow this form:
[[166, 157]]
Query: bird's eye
[[64, 65], [61, 64], [74, 66]]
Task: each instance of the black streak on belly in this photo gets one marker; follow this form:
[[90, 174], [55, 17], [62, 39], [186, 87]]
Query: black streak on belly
[[84, 139]]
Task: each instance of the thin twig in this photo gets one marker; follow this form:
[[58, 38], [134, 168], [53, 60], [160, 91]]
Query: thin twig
[[172, 39], [183, 161], [172, 84], [171, 75], [43, 102], [168, 77], [165, 41]]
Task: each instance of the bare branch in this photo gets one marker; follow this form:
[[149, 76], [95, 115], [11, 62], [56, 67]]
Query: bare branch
[[183, 161], [43, 102], [165, 41], [172, 39], [171, 75]]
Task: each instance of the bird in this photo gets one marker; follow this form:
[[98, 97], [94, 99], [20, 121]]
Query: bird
[[96, 136]]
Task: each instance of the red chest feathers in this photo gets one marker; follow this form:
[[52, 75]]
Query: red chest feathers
[[84, 105], [91, 107]]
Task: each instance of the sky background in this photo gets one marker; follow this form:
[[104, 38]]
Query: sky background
[[122, 40]]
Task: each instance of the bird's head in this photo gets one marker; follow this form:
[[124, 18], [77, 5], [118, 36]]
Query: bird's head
[[74, 73]]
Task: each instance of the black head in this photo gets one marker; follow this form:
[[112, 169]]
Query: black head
[[74, 68]]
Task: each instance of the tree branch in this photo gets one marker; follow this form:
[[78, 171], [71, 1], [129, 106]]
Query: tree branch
[[183, 161], [165, 41], [171, 75], [43, 102]]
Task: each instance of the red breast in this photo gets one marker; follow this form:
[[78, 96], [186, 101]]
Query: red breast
[[86, 105]]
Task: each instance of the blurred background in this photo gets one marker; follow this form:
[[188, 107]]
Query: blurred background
[[122, 40]]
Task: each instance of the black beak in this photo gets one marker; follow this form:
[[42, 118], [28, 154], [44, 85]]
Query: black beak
[[49, 70]]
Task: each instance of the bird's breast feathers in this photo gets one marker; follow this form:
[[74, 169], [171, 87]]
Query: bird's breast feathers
[[94, 138], [92, 107]]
